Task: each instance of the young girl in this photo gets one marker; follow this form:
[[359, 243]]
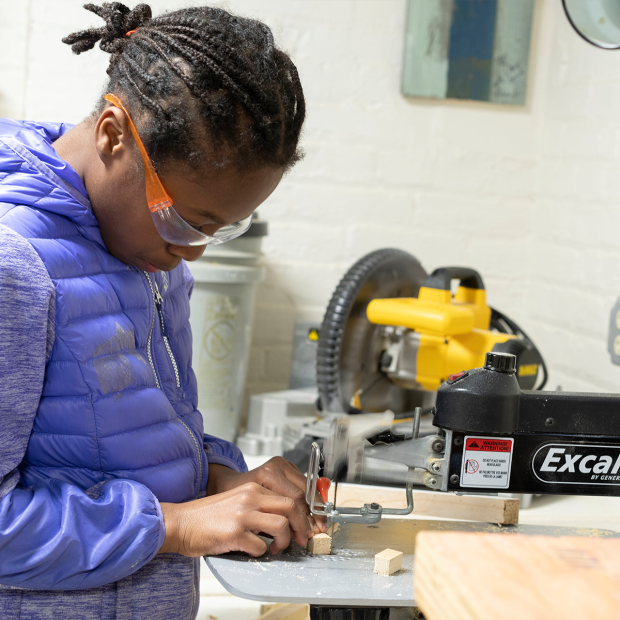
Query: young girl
[[109, 489]]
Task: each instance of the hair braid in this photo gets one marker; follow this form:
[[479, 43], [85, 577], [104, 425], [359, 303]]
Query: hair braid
[[226, 79], [201, 65], [201, 54], [146, 100]]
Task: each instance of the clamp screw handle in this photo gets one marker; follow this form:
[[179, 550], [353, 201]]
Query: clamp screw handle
[[501, 362]]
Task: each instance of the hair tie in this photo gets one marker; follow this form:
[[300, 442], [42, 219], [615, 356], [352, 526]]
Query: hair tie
[[128, 34]]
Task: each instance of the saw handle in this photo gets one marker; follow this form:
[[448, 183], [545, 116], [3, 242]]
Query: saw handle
[[322, 486]]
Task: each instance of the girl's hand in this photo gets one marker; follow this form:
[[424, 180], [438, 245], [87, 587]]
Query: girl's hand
[[231, 521], [277, 475]]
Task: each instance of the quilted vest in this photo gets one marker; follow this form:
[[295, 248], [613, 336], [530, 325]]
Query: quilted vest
[[119, 398]]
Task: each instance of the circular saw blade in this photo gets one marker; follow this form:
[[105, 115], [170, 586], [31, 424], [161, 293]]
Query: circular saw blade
[[350, 346]]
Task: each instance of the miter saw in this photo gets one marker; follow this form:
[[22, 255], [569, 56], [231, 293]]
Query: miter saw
[[392, 334], [394, 339]]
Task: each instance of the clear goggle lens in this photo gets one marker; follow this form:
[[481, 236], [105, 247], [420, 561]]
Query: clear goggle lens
[[174, 229]]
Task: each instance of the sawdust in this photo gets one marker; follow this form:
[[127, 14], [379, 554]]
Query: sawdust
[[260, 565]]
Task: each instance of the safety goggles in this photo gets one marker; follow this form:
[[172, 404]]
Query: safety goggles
[[169, 224]]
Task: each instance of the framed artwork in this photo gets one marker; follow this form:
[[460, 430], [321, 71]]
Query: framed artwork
[[468, 49]]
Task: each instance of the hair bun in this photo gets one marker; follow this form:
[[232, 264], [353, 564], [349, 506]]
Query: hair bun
[[119, 20]]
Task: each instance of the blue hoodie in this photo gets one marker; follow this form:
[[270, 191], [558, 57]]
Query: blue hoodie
[[98, 418]]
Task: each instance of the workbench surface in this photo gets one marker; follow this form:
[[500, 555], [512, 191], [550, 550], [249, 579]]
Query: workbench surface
[[569, 511], [346, 577]]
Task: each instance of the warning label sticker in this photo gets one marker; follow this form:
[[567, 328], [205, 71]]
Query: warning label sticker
[[486, 462]]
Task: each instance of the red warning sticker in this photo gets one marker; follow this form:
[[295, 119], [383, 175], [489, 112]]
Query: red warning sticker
[[486, 462], [488, 445]]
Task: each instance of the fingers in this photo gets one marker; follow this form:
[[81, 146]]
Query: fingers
[[295, 476], [275, 526], [286, 508], [252, 545], [280, 476], [276, 481], [284, 478], [255, 497], [319, 524]]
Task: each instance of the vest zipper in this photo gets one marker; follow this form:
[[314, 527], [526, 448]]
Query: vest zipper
[[158, 302], [189, 430], [158, 299], [149, 342]]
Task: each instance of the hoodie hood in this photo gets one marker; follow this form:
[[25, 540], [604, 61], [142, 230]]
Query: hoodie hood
[[33, 174]]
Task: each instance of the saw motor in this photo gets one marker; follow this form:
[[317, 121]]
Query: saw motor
[[392, 334]]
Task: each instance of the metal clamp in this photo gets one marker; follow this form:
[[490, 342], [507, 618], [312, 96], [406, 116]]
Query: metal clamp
[[368, 513]]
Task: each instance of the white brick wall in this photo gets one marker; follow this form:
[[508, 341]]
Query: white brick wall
[[525, 195]]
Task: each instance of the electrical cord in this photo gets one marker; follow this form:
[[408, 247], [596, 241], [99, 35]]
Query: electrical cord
[[503, 324]]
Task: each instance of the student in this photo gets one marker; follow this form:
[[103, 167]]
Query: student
[[109, 489]]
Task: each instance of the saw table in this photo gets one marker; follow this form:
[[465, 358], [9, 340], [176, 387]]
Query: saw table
[[345, 579]]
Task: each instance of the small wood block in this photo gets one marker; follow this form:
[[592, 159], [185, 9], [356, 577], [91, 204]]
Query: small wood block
[[320, 544], [332, 529], [388, 562]]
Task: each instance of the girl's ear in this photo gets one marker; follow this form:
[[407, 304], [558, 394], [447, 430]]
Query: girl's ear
[[112, 135]]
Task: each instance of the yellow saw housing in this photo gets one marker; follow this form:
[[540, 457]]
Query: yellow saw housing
[[453, 332]]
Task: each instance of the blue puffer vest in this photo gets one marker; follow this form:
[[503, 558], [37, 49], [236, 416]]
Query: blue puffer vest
[[119, 399]]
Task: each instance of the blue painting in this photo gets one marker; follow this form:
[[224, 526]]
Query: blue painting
[[468, 49]]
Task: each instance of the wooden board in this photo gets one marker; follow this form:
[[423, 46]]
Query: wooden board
[[433, 504], [490, 577]]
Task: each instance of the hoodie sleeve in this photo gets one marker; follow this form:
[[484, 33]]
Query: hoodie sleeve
[[54, 535], [222, 452]]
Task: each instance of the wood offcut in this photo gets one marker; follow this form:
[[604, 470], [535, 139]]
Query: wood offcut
[[388, 562]]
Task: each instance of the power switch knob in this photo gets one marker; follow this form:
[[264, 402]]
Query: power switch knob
[[501, 362]]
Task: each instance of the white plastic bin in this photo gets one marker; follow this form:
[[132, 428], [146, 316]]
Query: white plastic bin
[[222, 311]]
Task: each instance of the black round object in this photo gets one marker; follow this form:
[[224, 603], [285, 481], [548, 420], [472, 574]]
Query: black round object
[[501, 362], [524, 348], [528, 358], [350, 346]]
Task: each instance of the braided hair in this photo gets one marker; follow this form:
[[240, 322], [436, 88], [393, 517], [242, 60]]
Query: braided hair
[[202, 86]]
